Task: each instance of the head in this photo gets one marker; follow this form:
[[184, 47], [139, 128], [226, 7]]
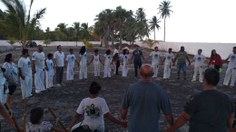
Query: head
[[36, 115], [146, 72], [170, 50], [25, 52], [211, 77], [59, 48], [40, 48], [182, 48], [94, 88], [71, 51], [50, 55], [213, 52], [8, 58], [96, 51], [156, 48], [82, 50], [199, 51], [234, 50], [108, 51], [137, 47], [125, 51]]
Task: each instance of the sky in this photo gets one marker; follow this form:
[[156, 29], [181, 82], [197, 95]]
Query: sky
[[191, 20]]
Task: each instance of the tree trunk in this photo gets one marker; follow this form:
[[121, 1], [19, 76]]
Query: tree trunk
[[154, 34], [164, 29]]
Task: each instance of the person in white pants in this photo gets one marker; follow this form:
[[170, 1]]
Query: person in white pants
[[25, 73], [168, 61], [107, 64], [199, 60], [156, 58], [49, 71], [38, 59], [70, 63], [230, 74], [96, 63], [3, 95], [83, 63], [125, 62]]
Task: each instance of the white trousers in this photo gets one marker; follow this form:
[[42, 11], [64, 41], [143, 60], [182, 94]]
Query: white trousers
[[200, 70], [125, 70], [49, 80], [83, 72], [155, 69], [167, 71], [26, 86], [107, 71], [39, 80], [3, 96], [230, 76], [70, 73], [96, 70]]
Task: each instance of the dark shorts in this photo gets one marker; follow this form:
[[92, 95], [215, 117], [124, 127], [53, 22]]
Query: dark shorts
[[12, 89], [182, 67]]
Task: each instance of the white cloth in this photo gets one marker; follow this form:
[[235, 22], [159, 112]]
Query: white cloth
[[125, 64], [39, 58], [83, 66], [2, 92], [44, 126], [156, 57], [25, 65], [199, 60], [49, 73], [39, 80], [93, 110], [232, 61], [115, 51], [230, 75], [11, 72], [168, 58], [198, 67], [71, 59], [59, 57], [96, 65], [107, 65], [167, 71]]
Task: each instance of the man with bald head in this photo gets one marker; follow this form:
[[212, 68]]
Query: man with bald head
[[144, 100]]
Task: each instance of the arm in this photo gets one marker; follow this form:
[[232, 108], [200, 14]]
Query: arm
[[124, 113], [176, 57], [188, 59], [91, 60], [21, 74], [74, 121], [33, 66], [181, 120], [6, 116], [170, 119], [112, 118], [230, 120]]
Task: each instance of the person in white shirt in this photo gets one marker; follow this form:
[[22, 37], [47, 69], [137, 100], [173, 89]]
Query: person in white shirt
[[38, 61], [125, 62], [49, 71], [107, 64], [156, 58], [230, 74], [3, 88], [70, 63], [25, 73], [199, 60], [94, 109], [83, 62], [168, 61], [59, 59], [96, 63]]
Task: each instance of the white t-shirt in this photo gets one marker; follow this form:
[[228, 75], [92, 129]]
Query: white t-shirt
[[83, 59], [11, 71], [125, 59], [39, 58], [45, 126], [232, 61], [199, 60], [108, 59], [2, 78], [96, 59], [168, 58], [93, 110], [156, 55], [50, 66], [71, 60], [115, 51], [59, 56], [25, 65]]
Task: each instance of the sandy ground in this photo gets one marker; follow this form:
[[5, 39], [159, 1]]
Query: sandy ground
[[65, 100]]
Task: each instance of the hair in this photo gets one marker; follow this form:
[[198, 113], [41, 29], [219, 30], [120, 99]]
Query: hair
[[200, 50], [212, 76], [96, 51], [36, 115], [234, 47], [70, 50], [94, 88], [8, 57], [212, 53], [24, 51], [50, 55], [155, 47], [108, 51], [58, 46], [82, 50]]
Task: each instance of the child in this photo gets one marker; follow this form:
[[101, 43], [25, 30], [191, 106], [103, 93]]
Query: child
[[107, 64], [83, 63], [125, 62], [96, 63], [70, 61], [93, 109], [168, 61], [156, 58], [49, 71], [198, 66]]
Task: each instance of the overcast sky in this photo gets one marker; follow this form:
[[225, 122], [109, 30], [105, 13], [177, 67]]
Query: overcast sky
[[191, 20]]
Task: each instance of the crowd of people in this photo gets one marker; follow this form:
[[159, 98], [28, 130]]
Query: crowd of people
[[209, 110]]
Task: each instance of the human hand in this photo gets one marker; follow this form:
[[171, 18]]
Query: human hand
[[124, 123], [170, 129]]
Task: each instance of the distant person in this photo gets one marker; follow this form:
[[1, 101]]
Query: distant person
[[181, 59], [215, 60], [116, 63], [12, 77], [37, 124], [70, 64], [199, 63], [49, 71], [38, 61], [144, 101], [83, 63], [107, 64], [25, 73], [125, 62], [209, 110], [59, 61], [168, 61], [116, 50], [93, 109], [3, 87], [137, 57], [230, 74], [96, 63], [156, 59]]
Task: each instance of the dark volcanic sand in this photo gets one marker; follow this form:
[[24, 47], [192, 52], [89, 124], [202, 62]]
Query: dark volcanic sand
[[65, 100]]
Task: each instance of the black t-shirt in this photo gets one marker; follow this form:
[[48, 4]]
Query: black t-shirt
[[137, 54], [209, 111]]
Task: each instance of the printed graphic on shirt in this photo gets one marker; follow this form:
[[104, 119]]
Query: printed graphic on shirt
[[156, 56], [232, 57], [29, 64], [92, 111], [199, 58]]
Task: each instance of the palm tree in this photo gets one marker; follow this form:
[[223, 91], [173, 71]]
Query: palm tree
[[154, 25], [19, 24], [142, 26], [76, 26], [164, 10]]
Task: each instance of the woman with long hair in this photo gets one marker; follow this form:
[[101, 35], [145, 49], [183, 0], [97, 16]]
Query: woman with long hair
[[215, 60]]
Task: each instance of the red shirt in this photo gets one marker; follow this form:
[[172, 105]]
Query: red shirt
[[215, 60]]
